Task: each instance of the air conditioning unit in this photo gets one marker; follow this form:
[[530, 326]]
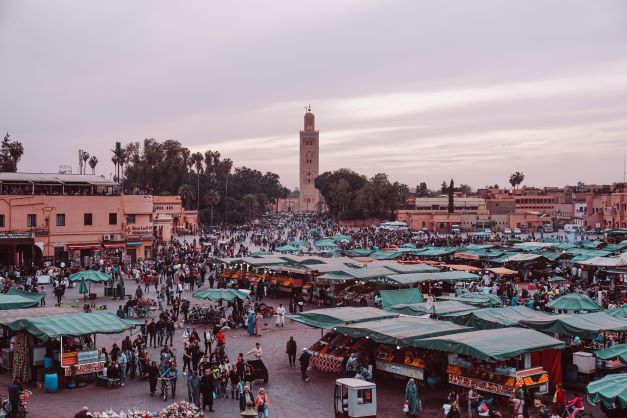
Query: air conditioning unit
[[106, 238]]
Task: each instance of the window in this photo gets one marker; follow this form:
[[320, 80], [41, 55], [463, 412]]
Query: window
[[113, 218], [130, 219], [60, 219], [87, 219], [1, 221], [31, 220]]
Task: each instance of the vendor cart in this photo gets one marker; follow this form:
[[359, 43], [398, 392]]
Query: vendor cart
[[259, 370], [355, 398]]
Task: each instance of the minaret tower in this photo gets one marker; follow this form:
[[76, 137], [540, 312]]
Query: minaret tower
[[309, 163]]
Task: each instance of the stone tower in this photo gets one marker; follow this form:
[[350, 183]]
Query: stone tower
[[309, 164]]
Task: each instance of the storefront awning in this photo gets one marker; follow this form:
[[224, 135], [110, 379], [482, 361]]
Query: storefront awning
[[87, 246], [401, 296], [437, 308], [333, 317], [114, 245], [491, 345], [134, 244]]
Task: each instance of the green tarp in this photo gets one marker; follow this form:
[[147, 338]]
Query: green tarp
[[583, 325], [259, 254], [358, 252], [482, 300], [387, 255], [611, 391], [287, 249], [618, 351], [216, 295], [401, 296], [434, 251], [556, 279], [493, 344], [90, 276], [492, 318], [401, 331], [620, 312], [6, 317], [333, 317], [325, 243], [341, 238], [591, 244], [615, 247], [576, 302], [440, 308], [71, 325], [442, 276], [19, 299]]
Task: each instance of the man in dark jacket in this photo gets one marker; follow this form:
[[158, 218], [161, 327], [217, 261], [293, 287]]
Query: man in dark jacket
[[152, 332], [160, 331], [304, 364], [15, 390], [290, 349], [207, 387]]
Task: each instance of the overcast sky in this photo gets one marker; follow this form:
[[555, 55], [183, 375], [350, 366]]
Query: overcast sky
[[422, 90]]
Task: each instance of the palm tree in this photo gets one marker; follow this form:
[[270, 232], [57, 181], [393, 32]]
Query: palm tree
[[250, 202], [451, 197], [186, 192], [16, 150], [516, 179], [93, 162], [211, 199], [118, 159], [197, 159], [84, 157]]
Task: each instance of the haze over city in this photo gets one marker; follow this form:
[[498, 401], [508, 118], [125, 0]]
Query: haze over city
[[419, 90]]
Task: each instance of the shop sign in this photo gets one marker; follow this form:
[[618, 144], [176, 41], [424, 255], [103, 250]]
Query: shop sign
[[85, 368], [401, 369], [139, 232], [16, 235]]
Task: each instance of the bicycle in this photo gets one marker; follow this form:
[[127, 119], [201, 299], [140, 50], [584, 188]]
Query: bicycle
[[165, 387], [21, 412], [580, 414]]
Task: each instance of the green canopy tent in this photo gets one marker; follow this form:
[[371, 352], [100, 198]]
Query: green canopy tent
[[304, 244], [586, 325], [401, 296], [492, 318], [71, 325], [611, 391], [438, 276], [333, 317], [557, 279], [19, 299], [493, 344], [400, 331], [357, 252], [482, 300], [618, 351], [341, 238], [620, 312], [216, 295], [313, 232], [574, 302], [438, 308], [259, 254], [287, 249], [409, 245], [90, 276]]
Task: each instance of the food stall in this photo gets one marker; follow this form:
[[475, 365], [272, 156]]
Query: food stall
[[495, 361]]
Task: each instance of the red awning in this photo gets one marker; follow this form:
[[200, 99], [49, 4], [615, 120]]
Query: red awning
[[87, 246], [114, 245]]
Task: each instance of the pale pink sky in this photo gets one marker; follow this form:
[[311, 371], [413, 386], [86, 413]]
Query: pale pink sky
[[424, 91]]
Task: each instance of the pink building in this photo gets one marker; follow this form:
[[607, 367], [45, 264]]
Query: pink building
[[605, 210], [54, 217]]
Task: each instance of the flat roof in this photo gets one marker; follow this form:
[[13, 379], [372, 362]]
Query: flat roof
[[56, 178]]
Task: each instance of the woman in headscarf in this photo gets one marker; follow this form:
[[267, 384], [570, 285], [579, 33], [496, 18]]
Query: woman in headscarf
[[250, 324], [258, 324], [411, 396]]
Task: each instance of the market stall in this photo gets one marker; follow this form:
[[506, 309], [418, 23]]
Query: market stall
[[86, 278], [216, 295], [612, 359], [495, 361], [480, 300], [19, 299], [574, 303], [611, 392], [438, 308], [491, 318]]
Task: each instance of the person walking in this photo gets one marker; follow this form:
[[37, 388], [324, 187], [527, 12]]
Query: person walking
[[169, 328], [280, 316], [250, 323], [235, 382], [152, 332], [246, 398], [290, 349], [262, 404], [122, 362], [473, 402], [207, 388], [304, 364], [160, 331], [411, 397], [153, 377], [193, 388], [258, 324]]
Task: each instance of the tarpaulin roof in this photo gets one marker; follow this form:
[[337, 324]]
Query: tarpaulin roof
[[333, 317], [405, 296], [483, 300], [501, 259], [12, 316], [412, 278], [591, 244], [325, 243], [90, 276], [575, 302], [403, 268], [358, 252], [491, 318], [216, 295], [471, 247], [493, 344], [618, 351], [462, 267], [615, 247], [401, 331], [551, 256], [555, 279], [19, 299], [562, 246], [287, 249], [587, 251], [341, 238], [620, 312], [606, 261], [611, 391], [438, 308], [71, 325], [580, 258], [387, 255], [583, 325], [434, 251], [502, 271]]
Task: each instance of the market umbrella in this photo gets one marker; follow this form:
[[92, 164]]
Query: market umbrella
[[555, 279], [313, 232], [616, 351], [575, 302], [82, 289], [90, 276], [611, 391], [620, 312], [217, 295]]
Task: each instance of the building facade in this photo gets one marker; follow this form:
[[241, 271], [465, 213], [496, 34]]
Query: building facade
[[309, 167], [170, 217]]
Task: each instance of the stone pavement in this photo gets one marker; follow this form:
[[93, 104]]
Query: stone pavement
[[289, 396]]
